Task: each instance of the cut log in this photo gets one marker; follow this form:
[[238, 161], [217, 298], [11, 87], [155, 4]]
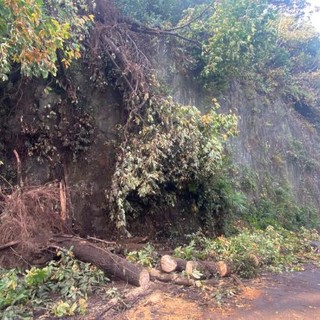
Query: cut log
[[172, 278], [110, 263], [223, 269], [254, 260], [207, 269], [169, 264], [204, 271]]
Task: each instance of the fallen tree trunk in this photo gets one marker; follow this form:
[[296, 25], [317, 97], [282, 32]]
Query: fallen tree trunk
[[110, 263], [207, 269], [172, 278], [169, 264]]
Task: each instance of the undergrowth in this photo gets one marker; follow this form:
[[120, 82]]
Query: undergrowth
[[248, 253], [173, 151], [238, 197], [59, 289], [147, 256], [252, 251]]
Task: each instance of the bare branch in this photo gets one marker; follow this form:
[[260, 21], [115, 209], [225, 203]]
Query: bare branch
[[173, 34], [192, 20], [103, 241], [136, 27], [8, 245], [19, 171]]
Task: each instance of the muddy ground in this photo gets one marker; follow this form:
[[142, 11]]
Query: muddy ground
[[287, 296]]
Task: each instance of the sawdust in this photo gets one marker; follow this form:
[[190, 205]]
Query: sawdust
[[250, 293], [160, 305]]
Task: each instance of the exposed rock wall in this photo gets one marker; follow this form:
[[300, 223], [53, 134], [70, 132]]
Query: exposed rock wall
[[275, 142]]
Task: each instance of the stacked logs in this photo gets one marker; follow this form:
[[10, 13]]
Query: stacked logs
[[207, 269], [194, 270]]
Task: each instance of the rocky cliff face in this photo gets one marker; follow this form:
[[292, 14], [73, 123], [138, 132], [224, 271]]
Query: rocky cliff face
[[277, 144]]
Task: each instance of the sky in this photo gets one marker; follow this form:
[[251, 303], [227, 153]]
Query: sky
[[315, 18]]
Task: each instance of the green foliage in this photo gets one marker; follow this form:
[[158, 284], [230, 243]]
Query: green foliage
[[23, 293], [188, 252], [173, 148], [285, 212], [147, 256], [251, 251], [221, 201], [171, 151], [274, 204], [240, 37], [156, 12], [31, 32], [272, 48], [296, 67], [238, 196]]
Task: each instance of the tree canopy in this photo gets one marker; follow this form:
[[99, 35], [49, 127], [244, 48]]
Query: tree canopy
[[31, 32], [235, 37]]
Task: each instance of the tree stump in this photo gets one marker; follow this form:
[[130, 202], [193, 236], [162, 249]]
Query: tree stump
[[223, 269]]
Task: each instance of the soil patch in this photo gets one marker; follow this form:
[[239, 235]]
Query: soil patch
[[277, 297], [160, 305]]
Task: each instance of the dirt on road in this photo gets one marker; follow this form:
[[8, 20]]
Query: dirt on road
[[286, 296]]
